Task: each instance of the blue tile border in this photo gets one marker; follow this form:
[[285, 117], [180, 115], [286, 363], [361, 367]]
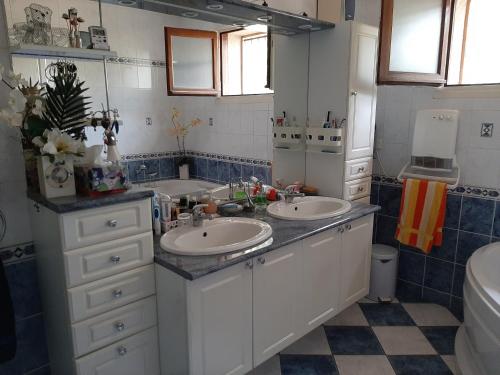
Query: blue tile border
[[17, 253], [472, 221], [204, 166]]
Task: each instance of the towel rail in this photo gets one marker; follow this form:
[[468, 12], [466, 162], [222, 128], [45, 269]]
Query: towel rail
[[452, 183]]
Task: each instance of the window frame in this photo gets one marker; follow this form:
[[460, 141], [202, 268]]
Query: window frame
[[223, 49], [388, 77], [191, 33]]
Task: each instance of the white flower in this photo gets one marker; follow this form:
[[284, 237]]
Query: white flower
[[37, 109], [13, 78], [58, 144], [17, 101], [11, 118]]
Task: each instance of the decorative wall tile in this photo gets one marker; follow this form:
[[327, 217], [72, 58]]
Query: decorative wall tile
[[468, 243], [212, 172], [17, 253], [411, 267], [447, 251], [167, 168], [386, 228], [477, 215], [438, 275], [390, 200], [453, 206], [496, 222], [223, 173], [23, 283]]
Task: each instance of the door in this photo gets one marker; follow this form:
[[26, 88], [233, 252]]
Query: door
[[362, 92], [356, 260], [220, 322], [276, 302], [321, 277]]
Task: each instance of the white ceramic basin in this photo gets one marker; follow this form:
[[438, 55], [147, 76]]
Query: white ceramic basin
[[218, 236], [309, 208]]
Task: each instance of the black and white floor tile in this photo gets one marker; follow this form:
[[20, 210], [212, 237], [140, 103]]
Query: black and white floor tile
[[374, 339]]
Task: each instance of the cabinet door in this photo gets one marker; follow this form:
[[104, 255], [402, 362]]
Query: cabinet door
[[220, 322], [363, 92], [276, 301], [356, 260], [321, 277]]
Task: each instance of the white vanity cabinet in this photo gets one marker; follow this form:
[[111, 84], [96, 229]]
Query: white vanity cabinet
[[232, 320], [355, 260], [320, 276], [98, 289], [277, 301]]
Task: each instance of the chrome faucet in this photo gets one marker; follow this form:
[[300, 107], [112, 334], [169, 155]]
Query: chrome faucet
[[290, 196], [142, 169], [199, 215]]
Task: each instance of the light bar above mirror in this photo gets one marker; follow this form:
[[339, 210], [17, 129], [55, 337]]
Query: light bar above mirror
[[236, 13]]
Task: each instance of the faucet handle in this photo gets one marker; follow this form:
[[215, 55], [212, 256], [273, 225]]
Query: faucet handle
[[197, 210]]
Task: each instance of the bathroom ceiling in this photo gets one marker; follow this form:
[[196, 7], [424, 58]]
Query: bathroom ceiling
[[236, 13]]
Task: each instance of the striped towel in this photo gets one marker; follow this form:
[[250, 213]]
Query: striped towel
[[422, 212]]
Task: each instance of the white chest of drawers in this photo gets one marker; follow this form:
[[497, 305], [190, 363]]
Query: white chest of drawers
[[98, 289]]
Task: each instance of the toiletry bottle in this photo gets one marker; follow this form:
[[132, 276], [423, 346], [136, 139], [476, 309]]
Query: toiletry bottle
[[156, 215]]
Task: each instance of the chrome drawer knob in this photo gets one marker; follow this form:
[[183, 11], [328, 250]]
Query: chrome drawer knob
[[261, 260], [112, 223], [120, 326], [115, 259], [249, 265], [361, 169], [348, 226], [354, 93], [361, 189], [122, 350], [117, 293]]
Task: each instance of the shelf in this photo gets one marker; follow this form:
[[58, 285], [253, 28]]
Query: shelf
[[64, 52], [284, 136]]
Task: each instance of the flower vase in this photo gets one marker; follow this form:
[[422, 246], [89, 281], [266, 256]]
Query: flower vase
[[184, 172], [56, 177], [31, 170]]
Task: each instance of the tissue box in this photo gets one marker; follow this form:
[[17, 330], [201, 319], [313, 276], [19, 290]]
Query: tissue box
[[96, 181]]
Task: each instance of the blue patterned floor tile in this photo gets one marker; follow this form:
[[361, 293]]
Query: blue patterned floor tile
[[441, 338], [419, 365], [438, 275], [346, 340], [308, 365], [477, 215], [379, 314]]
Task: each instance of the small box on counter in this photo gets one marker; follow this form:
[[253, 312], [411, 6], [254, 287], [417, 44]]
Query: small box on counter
[[96, 181]]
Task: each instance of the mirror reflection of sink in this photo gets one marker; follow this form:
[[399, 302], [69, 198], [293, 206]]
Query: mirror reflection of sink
[[217, 236], [309, 208]]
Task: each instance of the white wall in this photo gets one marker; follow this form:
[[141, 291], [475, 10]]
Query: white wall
[[138, 89], [477, 156]]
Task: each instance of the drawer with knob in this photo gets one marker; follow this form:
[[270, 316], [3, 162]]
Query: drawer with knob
[[109, 258], [359, 168], [137, 355], [106, 294], [104, 329], [357, 189], [94, 226]]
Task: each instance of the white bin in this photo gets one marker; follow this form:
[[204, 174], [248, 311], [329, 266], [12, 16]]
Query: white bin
[[383, 273]]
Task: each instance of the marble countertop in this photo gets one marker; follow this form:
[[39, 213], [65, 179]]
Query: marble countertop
[[74, 203], [284, 233]]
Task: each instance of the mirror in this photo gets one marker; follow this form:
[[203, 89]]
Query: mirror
[[191, 73]]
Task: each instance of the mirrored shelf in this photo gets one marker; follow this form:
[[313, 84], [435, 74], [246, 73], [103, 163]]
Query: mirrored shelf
[[62, 52]]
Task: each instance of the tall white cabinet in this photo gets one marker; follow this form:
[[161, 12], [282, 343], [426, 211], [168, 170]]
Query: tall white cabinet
[[343, 79], [233, 320], [98, 289]]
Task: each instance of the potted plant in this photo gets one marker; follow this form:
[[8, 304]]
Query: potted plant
[[180, 131]]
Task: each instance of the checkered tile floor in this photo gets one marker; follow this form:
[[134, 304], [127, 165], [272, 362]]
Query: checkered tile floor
[[374, 339]]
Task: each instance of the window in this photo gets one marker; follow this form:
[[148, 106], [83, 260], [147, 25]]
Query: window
[[474, 52], [440, 42], [245, 61]]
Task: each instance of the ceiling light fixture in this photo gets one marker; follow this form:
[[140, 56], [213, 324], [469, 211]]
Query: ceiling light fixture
[[127, 2], [306, 27], [215, 6], [240, 24], [189, 14], [265, 18]]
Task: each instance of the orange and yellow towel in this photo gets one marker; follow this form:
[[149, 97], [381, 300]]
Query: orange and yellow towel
[[422, 212]]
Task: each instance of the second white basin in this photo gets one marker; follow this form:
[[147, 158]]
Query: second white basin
[[218, 236], [309, 208]]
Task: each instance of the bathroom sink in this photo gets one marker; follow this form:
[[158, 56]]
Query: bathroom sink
[[309, 208], [217, 236]]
